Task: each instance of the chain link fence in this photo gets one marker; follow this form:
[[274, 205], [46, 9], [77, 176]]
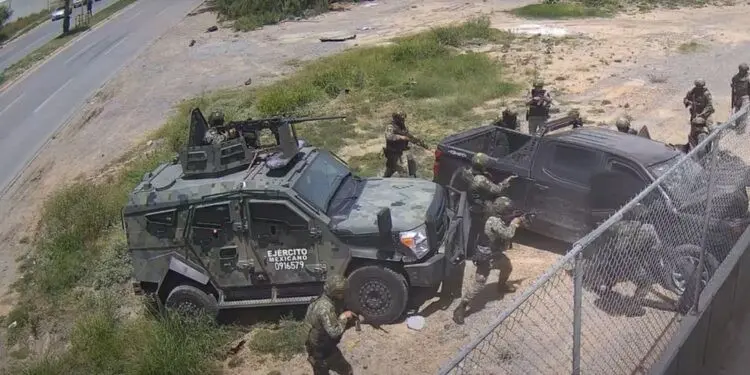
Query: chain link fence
[[611, 304]]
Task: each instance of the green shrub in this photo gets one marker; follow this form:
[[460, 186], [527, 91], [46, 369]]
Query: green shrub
[[560, 10], [251, 14]]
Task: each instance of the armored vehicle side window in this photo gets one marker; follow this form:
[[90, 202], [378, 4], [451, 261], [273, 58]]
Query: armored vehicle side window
[[162, 224], [573, 164], [211, 225], [277, 225], [320, 180]]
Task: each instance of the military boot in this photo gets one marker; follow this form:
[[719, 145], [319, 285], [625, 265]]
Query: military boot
[[460, 312]]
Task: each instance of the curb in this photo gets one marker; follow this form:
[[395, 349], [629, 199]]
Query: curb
[[36, 66]]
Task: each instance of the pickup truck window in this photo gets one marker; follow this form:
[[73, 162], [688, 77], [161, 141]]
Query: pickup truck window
[[572, 164], [624, 169], [687, 178]]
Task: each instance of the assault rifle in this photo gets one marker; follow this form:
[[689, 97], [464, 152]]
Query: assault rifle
[[417, 141], [514, 213]]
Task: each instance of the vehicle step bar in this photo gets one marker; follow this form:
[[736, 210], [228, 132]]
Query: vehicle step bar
[[265, 302]]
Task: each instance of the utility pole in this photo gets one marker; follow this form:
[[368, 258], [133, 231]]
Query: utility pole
[[66, 19]]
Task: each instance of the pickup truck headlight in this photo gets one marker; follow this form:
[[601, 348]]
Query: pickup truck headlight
[[416, 240]]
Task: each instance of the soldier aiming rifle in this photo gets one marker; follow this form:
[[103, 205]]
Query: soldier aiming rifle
[[499, 230], [397, 138]]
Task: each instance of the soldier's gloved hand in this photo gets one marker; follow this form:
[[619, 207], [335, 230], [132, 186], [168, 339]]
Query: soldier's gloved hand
[[516, 222], [346, 315]]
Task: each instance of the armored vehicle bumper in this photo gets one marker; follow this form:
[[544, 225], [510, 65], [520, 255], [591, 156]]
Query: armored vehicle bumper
[[452, 252]]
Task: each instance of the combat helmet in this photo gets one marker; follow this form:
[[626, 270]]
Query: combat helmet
[[398, 117], [216, 118], [538, 84], [335, 287], [700, 83], [622, 123], [743, 67], [479, 161]]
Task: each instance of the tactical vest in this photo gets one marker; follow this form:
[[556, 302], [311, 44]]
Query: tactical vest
[[397, 145], [741, 85], [538, 109], [700, 101]]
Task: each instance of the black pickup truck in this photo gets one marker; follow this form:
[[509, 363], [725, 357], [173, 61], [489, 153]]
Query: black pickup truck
[[574, 179]]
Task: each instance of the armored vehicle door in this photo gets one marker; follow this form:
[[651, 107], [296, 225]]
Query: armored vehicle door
[[214, 236], [286, 242]]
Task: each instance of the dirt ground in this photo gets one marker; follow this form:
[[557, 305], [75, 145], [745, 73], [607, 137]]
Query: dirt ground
[[631, 64]]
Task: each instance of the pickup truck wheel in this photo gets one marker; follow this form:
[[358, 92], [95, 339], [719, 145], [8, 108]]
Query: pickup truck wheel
[[191, 301], [686, 257], [378, 293]]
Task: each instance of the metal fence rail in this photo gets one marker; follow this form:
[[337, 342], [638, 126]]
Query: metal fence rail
[[584, 315]]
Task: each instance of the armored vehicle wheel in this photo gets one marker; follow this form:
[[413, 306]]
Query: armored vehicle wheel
[[378, 293], [189, 300]]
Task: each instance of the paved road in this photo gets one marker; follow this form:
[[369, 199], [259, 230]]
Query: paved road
[[22, 8], [19, 48], [34, 108]]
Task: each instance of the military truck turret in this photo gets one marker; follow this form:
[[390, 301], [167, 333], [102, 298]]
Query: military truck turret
[[240, 224]]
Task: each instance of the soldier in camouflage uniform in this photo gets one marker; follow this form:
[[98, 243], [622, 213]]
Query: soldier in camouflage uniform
[[489, 255], [213, 135], [509, 119], [741, 95], [539, 104], [699, 100], [631, 253], [481, 191], [396, 142], [623, 126], [698, 126], [328, 321]]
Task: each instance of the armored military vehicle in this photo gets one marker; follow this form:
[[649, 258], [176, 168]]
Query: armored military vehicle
[[241, 224]]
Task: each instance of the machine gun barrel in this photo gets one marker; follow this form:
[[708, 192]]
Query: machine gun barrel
[[273, 123]]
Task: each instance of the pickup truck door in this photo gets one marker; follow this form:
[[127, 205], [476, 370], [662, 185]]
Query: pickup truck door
[[613, 188], [560, 189], [519, 187]]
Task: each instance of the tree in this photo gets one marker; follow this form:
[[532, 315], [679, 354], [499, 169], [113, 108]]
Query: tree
[[66, 19], [5, 14]]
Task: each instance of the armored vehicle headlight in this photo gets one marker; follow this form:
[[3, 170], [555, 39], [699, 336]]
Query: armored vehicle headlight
[[416, 240]]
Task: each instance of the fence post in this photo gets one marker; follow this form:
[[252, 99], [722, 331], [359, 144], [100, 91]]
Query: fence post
[[577, 303], [697, 288]]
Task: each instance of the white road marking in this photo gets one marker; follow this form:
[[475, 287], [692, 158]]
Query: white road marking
[[160, 13], [78, 54], [114, 46], [11, 104], [133, 16], [53, 95]]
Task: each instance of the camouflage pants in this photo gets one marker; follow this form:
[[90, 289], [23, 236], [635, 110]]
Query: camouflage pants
[[536, 123], [325, 359], [498, 261], [744, 119], [393, 164]]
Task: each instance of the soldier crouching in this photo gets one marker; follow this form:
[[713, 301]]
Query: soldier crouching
[[327, 322], [490, 255]]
